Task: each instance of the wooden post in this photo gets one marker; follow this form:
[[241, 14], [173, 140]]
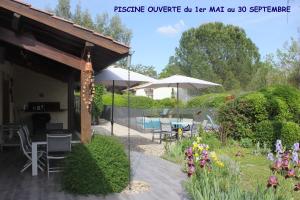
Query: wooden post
[[86, 117], [71, 99]]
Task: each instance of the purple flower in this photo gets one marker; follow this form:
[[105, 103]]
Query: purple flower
[[191, 170], [285, 164], [295, 157], [202, 163], [270, 157], [189, 152], [277, 165], [290, 174], [278, 146], [297, 187], [296, 147], [272, 181]]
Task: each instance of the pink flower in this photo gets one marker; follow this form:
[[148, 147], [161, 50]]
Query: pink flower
[[189, 152], [277, 165], [202, 163], [291, 173], [285, 164], [272, 182], [190, 162], [191, 171]]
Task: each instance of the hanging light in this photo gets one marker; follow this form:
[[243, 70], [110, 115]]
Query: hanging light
[[88, 88]]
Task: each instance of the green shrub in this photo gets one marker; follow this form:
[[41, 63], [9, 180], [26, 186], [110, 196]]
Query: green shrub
[[242, 117], [278, 109], [167, 103], [253, 106], [246, 142], [289, 94], [211, 138], [213, 100], [100, 167], [119, 100], [140, 101], [267, 132], [290, 133], [234, 123], [98, 101]]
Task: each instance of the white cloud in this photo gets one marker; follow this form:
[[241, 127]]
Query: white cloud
[[171, 30]]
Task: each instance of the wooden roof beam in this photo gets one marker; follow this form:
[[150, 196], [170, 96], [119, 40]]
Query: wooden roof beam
[[15, 24], [29, 43], [64, 26]]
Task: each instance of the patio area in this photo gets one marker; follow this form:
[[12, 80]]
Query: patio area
[[164, 180]]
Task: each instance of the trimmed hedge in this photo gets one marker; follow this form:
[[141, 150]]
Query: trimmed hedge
[[213, 100], [290, 133], [100, 167], [140, 101]]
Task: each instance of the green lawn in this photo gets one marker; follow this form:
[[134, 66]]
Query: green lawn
[[254, 169]]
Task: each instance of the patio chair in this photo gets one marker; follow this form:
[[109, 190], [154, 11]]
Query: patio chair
[[26, 149], [165, 112], [58, 145], [165, 130]]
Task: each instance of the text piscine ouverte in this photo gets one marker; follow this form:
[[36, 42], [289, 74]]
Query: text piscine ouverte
[[178, 9]]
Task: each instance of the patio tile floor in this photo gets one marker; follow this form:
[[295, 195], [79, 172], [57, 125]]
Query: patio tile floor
[[165, 180]]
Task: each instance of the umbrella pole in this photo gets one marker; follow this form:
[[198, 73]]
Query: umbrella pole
[[112, 109], [128, 109], [177, 99]]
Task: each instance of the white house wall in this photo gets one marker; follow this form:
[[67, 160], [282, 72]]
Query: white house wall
[[165, 92]]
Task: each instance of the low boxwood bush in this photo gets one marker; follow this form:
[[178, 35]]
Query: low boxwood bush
[[265, 132], [290, 134], [100, 167]]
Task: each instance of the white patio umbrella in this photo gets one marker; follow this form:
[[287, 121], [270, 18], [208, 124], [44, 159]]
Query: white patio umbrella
[[114, 76], [179, 81]]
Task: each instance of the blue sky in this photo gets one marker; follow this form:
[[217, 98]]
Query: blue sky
[[155, 36]]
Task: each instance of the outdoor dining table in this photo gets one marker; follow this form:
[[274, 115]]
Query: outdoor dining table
[[179, 125], [34, 152]]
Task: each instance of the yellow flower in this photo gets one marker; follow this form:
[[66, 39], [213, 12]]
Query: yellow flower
[[199, 139], [195, 145], [200, 148], [219, 163], [213, 155], [196, 155], [207, 147]]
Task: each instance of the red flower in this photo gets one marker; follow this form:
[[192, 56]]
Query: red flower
[[297, 187], [272, 182]]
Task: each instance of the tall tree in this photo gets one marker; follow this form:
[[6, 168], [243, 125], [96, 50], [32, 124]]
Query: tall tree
[[63, 9], [288, 61], [217, 52], [146, 70]]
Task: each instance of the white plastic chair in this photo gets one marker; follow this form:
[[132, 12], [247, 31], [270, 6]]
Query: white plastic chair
[[26, 149]]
